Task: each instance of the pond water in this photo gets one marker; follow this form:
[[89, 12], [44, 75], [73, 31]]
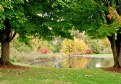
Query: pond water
[[77, 62]]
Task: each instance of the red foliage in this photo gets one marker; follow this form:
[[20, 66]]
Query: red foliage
[[88, 51], [43, 50]]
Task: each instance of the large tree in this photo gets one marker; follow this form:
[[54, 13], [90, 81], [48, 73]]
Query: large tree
[[108, 24], [109, 12], [98, 18], [28, 18]]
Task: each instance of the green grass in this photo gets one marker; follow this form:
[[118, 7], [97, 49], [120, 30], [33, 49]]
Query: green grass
[[41, 75], [98, 55]]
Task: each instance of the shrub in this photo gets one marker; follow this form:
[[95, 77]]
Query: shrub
[[104, 46], [79, 46], [88, 51], [94, 46], [44, 50], [98, 46], [75, 46], [42, 45], [67, 46]]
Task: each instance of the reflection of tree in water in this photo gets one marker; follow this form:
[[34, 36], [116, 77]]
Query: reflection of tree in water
[[58, 63], [104, 62], [85, 62], [75, 62], [70, 61], [67, 62]]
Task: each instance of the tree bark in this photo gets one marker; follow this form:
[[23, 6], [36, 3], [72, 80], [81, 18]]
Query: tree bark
[[114, 50], [6, 36], [115, 41], [118, 45], [5, 53]]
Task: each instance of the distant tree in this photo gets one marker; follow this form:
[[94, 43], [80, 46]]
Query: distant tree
[[75, 46], [67, 46]]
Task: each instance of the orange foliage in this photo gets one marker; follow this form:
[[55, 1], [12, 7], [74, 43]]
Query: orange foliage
[[113, 15], [88, 51], [84, 62]]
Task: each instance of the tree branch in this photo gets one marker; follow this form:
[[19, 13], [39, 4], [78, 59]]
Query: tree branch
[[12, 37]]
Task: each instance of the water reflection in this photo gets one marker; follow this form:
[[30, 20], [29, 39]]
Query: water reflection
[[76, 62]]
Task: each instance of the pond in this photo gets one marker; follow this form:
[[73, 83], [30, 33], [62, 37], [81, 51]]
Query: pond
[[77, 62]]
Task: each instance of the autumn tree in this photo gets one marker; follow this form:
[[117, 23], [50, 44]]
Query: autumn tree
[[75, 46], [67, 46]]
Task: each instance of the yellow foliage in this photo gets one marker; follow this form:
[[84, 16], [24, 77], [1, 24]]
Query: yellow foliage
[[76, 46], [104, 42], [113, 15], [67, 46], [104, 46], [79, 46]]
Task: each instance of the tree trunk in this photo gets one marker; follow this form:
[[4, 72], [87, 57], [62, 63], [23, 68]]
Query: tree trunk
[[118, 43], [5, 52], [115, 41], [6, 36], [119, 56]]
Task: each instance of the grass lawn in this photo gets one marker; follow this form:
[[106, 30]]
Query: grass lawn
[[42, 75]]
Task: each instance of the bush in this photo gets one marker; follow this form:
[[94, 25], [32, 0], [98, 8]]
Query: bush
[[88, 51], [44, 50], [67, 46], [20, 46], [32, 56], [75, 46], [98, 46], [94, 46], [104, 46]]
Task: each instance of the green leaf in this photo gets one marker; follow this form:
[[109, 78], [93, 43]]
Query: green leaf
[[1, 8]]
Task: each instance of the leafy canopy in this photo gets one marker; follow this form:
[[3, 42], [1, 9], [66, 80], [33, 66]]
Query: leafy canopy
[[91, 16], [49, 18], [29, 17]]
